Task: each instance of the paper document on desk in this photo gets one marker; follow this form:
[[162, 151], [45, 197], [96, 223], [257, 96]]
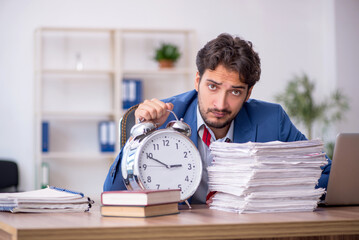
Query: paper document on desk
[[50, 199], [266, 177]]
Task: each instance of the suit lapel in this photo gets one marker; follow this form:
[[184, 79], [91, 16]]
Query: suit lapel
[[191, 119], [244, 130]]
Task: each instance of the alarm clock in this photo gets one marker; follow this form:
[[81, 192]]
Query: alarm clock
[[162, 158]]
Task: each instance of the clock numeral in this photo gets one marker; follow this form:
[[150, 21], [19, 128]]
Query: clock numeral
[[144, 166], [149, 155], [185, 154], [156, 146], [176, 145], [158, 186], [186, 179], [149, 179], [189, 166], [166, 143], [180, 186]]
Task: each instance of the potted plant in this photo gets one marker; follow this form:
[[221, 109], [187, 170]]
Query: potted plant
[[298, 100], [166, 55]]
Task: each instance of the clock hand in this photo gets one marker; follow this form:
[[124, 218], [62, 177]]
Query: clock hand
[[176, 165], [160, 162]]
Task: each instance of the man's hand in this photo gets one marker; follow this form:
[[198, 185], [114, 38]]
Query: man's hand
[[153, 110]]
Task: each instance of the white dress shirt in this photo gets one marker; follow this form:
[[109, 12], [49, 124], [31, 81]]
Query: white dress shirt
[[202, 190]]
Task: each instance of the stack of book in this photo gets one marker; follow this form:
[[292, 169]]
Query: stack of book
[[146, 203], [47, 200], [266, 177]]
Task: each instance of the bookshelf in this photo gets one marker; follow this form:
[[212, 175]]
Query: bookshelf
[[78, 84], [137, 52]]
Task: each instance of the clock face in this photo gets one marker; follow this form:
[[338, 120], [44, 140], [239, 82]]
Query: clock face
[[168, 160]]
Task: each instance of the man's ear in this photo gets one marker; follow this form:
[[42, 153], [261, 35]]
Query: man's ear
[[249, 93], [196, 81]]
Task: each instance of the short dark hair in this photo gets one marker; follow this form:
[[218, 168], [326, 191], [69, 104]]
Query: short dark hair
[[234, 54]]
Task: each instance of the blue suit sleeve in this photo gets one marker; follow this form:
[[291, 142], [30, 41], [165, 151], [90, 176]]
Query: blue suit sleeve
[[323, 180], [114, 181], [290, 133]]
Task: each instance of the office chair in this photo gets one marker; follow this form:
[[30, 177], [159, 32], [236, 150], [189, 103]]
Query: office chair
[[127, 122], [9, 174]]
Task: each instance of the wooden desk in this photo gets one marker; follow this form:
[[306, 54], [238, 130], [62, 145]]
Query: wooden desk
[[198, 223]]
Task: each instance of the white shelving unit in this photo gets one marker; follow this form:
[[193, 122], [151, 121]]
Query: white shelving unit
[[78, 83], [137, 52]]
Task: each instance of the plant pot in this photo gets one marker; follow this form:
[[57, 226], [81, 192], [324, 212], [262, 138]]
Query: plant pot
[[166, 63]]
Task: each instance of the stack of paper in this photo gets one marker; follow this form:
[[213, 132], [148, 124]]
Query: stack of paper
[[50, 199], [266, 177]]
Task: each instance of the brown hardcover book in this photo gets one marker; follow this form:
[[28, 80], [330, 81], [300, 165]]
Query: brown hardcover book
[[140, 198], [139, 211]]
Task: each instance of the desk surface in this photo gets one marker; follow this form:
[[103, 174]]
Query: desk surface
[[197, 223]]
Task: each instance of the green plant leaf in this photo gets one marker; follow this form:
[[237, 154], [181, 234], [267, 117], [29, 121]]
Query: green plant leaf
[[298, 100], [167, 51]]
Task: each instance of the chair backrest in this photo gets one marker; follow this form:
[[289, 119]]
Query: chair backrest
[[127, 122], [9, 174]]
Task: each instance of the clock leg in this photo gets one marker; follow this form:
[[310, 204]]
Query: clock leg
[[189, 206]]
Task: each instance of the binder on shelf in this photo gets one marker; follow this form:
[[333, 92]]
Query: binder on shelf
[[131, 92], [111, 136], [45, 136], [107, 137]]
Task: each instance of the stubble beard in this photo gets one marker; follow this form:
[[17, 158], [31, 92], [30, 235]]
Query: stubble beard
[[217, 124]]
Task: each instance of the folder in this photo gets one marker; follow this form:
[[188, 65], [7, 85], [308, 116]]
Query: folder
[[131, 92], [107, 136], [45, 136]]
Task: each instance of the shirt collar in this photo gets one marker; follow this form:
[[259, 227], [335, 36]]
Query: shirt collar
[[200, 123]]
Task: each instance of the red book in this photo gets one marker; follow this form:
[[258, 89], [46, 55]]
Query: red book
[[140, 198]]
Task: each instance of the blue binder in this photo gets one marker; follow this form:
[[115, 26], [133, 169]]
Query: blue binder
[[131, 92], [45, 136], [107, 136]]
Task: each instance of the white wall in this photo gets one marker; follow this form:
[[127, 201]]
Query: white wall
[[347, 52], [291, 37]]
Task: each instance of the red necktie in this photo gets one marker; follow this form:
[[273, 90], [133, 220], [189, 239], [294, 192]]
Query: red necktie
[[206, 137]]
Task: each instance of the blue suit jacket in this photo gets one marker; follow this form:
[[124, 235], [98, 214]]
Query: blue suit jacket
[[257, 121]]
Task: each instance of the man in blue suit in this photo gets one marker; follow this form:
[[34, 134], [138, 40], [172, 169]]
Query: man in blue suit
[[220, 109]]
